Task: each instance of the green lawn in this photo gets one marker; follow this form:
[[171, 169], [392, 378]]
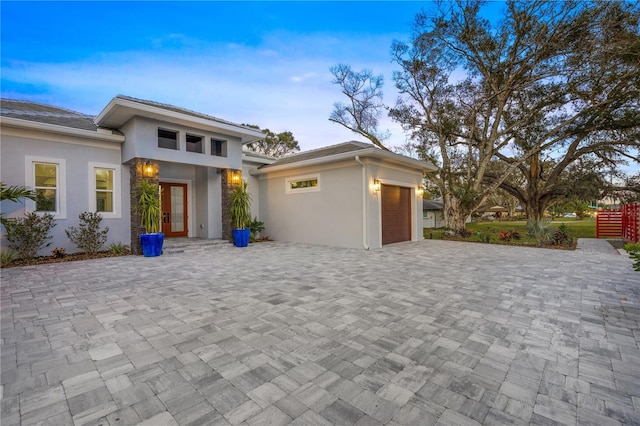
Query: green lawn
[[585, 228]]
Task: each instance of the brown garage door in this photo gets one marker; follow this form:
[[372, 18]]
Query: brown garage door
[[396, 214]]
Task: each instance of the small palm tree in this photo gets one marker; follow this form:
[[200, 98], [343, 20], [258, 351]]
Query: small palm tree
[[148, 206], [14, 194], [241, 206]]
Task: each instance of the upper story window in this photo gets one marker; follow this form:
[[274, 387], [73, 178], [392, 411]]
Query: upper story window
[[167, 139], [194, 143], [218, 147], [104, 189], [47, 176], [302, 184]]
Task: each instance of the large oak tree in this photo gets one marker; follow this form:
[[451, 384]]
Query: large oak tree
[[547, 80]]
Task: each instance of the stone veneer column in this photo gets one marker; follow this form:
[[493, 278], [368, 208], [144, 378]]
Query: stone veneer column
[[228, 185], [136, 174]]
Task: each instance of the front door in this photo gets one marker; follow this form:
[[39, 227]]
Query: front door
[[174, 209]]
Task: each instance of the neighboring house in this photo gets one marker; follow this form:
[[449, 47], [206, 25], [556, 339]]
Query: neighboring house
[[80, 163], [432, 214], [492, 211], [349, 195]]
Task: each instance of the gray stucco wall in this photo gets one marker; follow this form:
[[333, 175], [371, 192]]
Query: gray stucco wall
[[334, 215], [253, 186], [207, 192], [77, 153], [331, 216], [142, 142]]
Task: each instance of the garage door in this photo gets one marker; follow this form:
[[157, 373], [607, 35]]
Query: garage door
[[396, 214]]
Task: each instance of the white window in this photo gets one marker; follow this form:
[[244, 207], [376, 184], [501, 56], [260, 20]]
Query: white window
[[47, 176], [299, 184], [104, 189]]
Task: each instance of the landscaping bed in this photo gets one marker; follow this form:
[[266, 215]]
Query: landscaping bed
[[43, 260], [515, 233]]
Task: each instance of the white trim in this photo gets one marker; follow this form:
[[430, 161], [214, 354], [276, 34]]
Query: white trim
[[117, 189], [63, 130], [29, 179], [289, 190], [364, 154], [111, 116], [190, 206]]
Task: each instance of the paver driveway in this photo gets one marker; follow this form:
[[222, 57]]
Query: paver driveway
[[433, 332]]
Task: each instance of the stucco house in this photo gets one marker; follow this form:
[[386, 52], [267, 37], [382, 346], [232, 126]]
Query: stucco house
[[432, 214], [351, 195]]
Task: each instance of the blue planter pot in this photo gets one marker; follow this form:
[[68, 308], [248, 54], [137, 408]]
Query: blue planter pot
[[151, 244], [241, 237]]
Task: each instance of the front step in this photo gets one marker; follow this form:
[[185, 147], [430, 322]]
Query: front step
[[191, 245]]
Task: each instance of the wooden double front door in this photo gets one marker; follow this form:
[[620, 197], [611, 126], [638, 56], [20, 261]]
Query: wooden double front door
[[174, 209]]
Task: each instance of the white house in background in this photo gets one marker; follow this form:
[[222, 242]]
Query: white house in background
[[351, 195], [432, 214]]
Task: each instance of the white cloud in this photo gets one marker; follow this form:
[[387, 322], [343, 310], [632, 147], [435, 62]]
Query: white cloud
[[283, 84]]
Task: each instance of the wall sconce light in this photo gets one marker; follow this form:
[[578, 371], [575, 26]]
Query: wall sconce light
[[420, 191], [376, 185], [148, 169], [235, 176]]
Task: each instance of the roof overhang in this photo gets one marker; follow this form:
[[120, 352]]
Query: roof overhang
[[254, 157], [390, 157], [119, 111], [104, 135]]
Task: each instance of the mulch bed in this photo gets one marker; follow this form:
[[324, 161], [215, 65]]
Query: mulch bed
[[44, 260]]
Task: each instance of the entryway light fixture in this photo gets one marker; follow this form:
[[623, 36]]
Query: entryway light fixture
[[420, 191], [376, 185], [148, 169], [235, 176]]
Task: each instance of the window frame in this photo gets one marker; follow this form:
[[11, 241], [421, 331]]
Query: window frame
[[177, 133], [201, 142], [289, 180], [223, 147], [117, 189], [61, 188]]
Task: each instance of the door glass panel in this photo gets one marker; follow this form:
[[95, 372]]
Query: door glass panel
[[177, 209]]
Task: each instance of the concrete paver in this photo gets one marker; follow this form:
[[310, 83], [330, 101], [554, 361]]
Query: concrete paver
[[433, 332]]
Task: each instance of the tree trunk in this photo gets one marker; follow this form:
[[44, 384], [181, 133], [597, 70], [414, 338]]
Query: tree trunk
[[455, 215]]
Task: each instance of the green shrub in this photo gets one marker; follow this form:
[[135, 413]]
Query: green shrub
[[117, 248], [58, 253], [88, 237], [6, 257], [560, 237], [539, 230], [29, 234], [256, 226], [634, 253]]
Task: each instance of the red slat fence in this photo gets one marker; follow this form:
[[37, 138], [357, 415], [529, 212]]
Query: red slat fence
[[631, 222], [619, 223]]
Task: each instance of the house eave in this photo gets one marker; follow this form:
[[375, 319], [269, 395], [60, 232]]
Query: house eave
[[104, 135], [391, 157], [119, 111]]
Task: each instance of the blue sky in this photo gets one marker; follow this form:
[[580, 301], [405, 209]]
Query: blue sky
[[264, 63]]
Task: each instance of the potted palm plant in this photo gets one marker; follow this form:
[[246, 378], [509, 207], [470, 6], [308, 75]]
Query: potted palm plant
[[241, 215], [150, 212]]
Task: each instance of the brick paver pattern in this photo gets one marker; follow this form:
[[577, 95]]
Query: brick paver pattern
[[433, 332]]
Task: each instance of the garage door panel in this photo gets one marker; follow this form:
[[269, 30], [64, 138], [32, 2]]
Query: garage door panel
[[396, 214]]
